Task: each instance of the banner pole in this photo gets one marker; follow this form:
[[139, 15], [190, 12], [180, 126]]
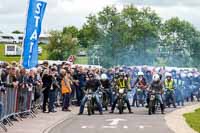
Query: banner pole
[[26, 15]]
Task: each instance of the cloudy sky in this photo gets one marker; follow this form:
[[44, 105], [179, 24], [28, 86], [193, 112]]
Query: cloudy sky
[[60, 13]]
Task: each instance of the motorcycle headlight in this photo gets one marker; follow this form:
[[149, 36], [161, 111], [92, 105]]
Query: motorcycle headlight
[[121, 91], [89, 97], [89, 91]]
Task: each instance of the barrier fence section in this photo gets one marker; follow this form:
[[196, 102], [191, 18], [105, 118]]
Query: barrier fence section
[[14, 103]]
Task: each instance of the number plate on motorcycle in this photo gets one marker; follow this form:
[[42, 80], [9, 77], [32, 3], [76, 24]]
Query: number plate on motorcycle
[[152, 97], [89, 97], [121, 91]]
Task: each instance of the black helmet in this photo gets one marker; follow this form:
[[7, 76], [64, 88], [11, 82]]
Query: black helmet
[[121, 74]]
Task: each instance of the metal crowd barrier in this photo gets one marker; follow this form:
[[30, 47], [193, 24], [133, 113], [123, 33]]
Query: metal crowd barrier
[[14, 103]]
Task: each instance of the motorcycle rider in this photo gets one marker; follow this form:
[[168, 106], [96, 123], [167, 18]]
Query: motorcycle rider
[[141, 84], [157, 87], [106, 85], [169, 85], [122, 83], [92, 84]]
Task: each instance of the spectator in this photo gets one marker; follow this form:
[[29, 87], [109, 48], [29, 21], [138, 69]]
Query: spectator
[[47, 82], [66, 90]]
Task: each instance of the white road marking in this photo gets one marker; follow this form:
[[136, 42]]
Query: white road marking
[[112, 127], [84, 127], [125, 127], [115, 122], [141, 127]]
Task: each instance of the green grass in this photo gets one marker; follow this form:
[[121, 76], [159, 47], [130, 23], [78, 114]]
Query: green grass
[[193, 119], [44, 56], [81, 60], [17, 58]]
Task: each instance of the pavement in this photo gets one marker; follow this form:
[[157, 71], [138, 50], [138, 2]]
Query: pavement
[[139, 122], [176, 121], [42, 123]]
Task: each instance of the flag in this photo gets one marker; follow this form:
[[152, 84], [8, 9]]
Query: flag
[[35, 15]]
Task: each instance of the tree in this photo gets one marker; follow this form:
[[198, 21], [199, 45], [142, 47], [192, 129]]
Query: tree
[[127, 34], [72, 30], [135, 37], [144, 31], [90, 32], [61, 45], [179, 36]]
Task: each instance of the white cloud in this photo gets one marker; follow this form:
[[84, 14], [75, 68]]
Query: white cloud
[[60, 13], [163, 2]]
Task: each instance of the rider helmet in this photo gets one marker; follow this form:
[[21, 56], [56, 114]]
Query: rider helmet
[[140, 73], [168, 75], [104, 77], [190, 75], [156, 77]]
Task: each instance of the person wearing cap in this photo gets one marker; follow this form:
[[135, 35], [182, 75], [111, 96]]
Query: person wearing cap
[[169, 85]]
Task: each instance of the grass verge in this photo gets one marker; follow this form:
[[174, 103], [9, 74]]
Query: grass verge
[[17, 58], [193, 120]]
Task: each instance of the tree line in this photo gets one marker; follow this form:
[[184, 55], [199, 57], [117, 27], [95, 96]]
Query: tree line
[[130, 37]]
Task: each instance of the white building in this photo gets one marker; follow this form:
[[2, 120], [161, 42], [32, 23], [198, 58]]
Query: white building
[[18, 38], [16, 50]]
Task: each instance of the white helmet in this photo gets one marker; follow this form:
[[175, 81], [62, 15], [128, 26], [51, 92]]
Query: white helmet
[[140, 73], [104, 76], [156, 77], [168, 74]]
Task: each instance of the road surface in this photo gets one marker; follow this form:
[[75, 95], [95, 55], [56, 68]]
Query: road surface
[[139, 122]]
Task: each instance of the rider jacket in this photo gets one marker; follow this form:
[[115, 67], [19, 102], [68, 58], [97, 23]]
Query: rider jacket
[[106, 83], [169, 84], [122, 84], [92, 84], [141, 83], [157, 87]]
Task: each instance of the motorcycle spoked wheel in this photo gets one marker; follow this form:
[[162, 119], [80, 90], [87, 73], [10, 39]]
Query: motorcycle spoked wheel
[[105, 102], [120, 106], [89, 107], [152, 107], [140, 100]]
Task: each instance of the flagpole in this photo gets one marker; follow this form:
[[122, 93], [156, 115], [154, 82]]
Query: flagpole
[[22, 49]]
